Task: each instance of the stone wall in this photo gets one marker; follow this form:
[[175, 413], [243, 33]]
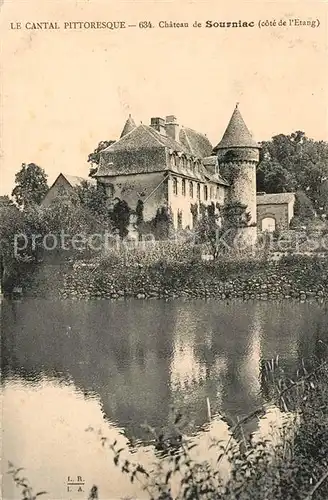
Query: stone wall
[[277, 212], [291, 278]]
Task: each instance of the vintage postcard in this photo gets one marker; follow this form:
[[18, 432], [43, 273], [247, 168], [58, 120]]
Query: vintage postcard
[[164, 250]]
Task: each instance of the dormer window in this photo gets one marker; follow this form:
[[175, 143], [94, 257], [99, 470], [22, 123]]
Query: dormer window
[[195, 169], [172, 160]]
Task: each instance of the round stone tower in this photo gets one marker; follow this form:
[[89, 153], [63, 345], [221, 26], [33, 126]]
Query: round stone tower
[[238, 155]]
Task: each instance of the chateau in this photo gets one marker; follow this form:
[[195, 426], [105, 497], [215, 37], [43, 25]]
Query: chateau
[[165, 165]]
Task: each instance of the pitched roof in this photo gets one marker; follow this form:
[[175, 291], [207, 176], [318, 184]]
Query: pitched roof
[[237, 134], [140, 151], [129, 126], [199, 173], [105, 169], [168, 142], [74, 180], [216, 178], [148, 155], [196, 143], [190, 141], [144, 137], [275, 198], [148, 148]]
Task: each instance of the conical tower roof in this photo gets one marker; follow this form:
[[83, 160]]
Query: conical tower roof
[[237, 134], [128, 127]]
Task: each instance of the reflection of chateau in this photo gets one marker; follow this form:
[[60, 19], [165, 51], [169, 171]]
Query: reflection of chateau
[[136, 359], [167, 166], [140, 358]]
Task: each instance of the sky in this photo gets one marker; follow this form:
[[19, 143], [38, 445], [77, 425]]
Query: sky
[[62, 92]]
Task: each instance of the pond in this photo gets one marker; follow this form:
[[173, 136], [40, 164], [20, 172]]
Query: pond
[[115, 366]]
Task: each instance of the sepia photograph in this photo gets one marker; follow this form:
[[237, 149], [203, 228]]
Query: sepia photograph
[[164, 250]]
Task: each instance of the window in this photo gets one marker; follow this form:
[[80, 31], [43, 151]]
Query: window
[[175, 185], [179, 219], [198, 191], [205, 193], [183, 187], [110, 190], [191, 189], [172, 160]]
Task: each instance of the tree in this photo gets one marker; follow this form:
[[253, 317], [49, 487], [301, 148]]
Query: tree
[[235, 218], [5, 201], [18, 253], [295, 163], [208, 227], [83, 213], [234, 215], [303, 210], [121, 217], [93, 198], [313, 177], [139, 212], [271, 177], [163, 223], [31, 185], [10, 224], [220, 228]]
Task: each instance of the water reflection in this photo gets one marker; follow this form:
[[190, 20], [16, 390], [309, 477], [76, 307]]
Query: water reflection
[[124, 364], [45, 432]]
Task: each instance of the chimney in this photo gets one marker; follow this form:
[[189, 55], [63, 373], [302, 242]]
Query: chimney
[[158, 124], [172, 127]]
